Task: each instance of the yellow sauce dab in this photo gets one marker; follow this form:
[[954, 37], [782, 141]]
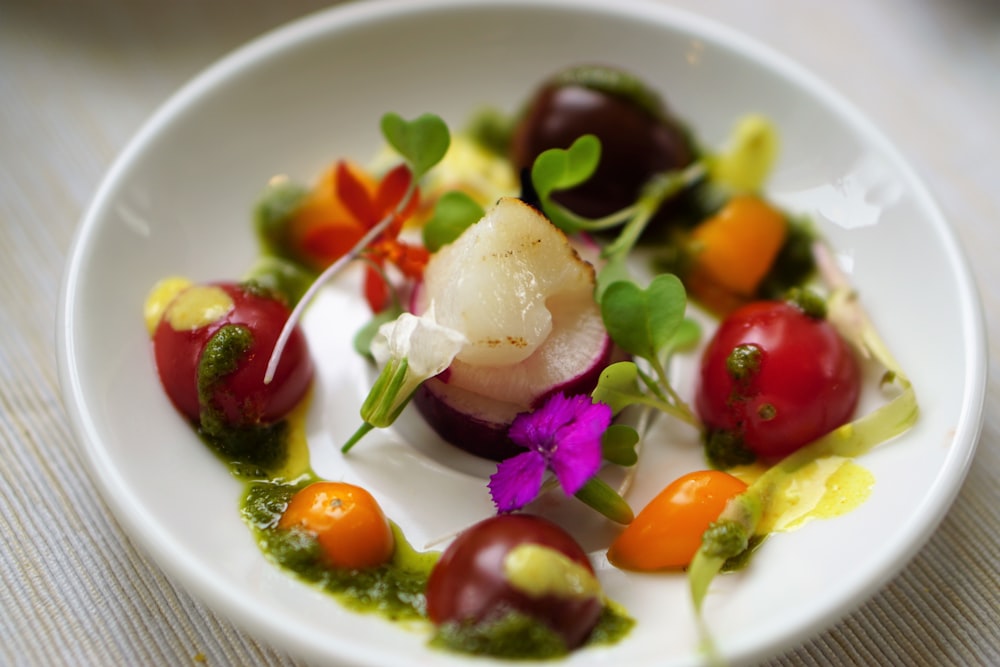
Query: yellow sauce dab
[[162, 294], [198, 306], [825, 488], [296, 463], [539, 571]]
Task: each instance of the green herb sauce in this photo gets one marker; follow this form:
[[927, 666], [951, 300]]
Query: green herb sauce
[[394, 590], [273, 462], [517, 636]]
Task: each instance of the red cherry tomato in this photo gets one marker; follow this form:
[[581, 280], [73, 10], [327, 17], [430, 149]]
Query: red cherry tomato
[[240, 396], [776, 378], [468, 584], [667, 532]]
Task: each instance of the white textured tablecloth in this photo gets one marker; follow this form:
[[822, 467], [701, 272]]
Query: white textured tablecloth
[[77, 78]]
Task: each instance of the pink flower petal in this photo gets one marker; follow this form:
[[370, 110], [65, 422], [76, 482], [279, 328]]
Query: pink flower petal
[[517, 481], [577, 457]]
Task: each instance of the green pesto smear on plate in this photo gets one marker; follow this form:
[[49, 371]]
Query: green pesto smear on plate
[[394, 590]]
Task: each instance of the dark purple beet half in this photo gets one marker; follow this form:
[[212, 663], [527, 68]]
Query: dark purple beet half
[[479, 424], [468, 583]]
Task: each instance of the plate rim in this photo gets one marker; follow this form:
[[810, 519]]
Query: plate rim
[[180, 565]]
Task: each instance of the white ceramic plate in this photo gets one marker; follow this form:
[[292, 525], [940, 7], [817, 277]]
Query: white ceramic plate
[[178, 200]]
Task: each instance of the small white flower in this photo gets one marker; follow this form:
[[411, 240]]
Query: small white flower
[[428, 347], [410, 349]]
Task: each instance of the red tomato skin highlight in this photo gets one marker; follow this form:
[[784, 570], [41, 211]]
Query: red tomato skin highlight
[[241, 396], [807, 384]]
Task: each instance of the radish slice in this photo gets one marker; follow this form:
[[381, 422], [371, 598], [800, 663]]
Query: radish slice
[[520, 293]]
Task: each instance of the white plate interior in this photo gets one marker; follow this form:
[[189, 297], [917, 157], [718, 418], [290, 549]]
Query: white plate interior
[[178, 202]]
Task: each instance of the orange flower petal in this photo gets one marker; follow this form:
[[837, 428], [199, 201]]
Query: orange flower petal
[[356, 197]]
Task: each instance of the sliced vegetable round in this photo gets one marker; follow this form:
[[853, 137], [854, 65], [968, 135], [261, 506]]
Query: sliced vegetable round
[[212, 346], [346, 520], [667, 532], [774, 379], [477, 581]]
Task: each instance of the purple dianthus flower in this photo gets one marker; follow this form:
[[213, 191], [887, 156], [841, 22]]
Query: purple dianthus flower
[[562, 436]]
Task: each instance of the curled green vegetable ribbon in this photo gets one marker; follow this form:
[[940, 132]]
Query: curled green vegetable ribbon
[[743, 513]]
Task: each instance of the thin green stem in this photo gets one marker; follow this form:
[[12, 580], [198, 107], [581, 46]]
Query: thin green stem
[[329, 274]]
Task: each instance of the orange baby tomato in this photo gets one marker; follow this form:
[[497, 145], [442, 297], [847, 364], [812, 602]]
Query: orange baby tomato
[[667, 532], [347, 521]]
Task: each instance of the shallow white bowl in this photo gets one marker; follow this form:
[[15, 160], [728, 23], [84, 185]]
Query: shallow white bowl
[[177, 201]]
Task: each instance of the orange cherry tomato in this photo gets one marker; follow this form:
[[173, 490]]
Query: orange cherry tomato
[[347, 521], [667, 532]]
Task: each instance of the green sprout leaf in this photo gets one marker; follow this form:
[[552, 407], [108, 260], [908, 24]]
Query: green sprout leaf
[[644, 321], [363, 338], [560, 169], [454, 212], [618, 386], [686, 336], [422, 142], [618, 445], [614, 270]]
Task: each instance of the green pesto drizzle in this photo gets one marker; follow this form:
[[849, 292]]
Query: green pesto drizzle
[[517, 636], [251, 452]]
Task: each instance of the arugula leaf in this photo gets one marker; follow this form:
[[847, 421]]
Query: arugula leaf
[[422, 142]]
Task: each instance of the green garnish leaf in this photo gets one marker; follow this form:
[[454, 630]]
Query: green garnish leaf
[[454, 212], [272, 212], [363, 338], [644, 321], [618, 386], [560, 169], [686, 336], [614, 270], [618, 445], [422, 142]]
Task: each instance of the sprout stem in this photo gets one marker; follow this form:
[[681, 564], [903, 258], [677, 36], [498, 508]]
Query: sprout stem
[[328, 274]]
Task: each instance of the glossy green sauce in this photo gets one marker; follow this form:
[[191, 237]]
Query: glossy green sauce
[[273, 462], [251, 452], [394, 590], [517, 636]]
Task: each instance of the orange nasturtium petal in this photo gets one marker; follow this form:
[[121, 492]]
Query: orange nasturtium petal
[[357, 196], [323, 228]]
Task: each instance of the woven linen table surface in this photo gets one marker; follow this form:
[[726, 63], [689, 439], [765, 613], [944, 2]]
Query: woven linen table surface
[[78, 77]]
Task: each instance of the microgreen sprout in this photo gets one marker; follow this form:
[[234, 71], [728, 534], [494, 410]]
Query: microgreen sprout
[[422, 143], [648, 324]]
